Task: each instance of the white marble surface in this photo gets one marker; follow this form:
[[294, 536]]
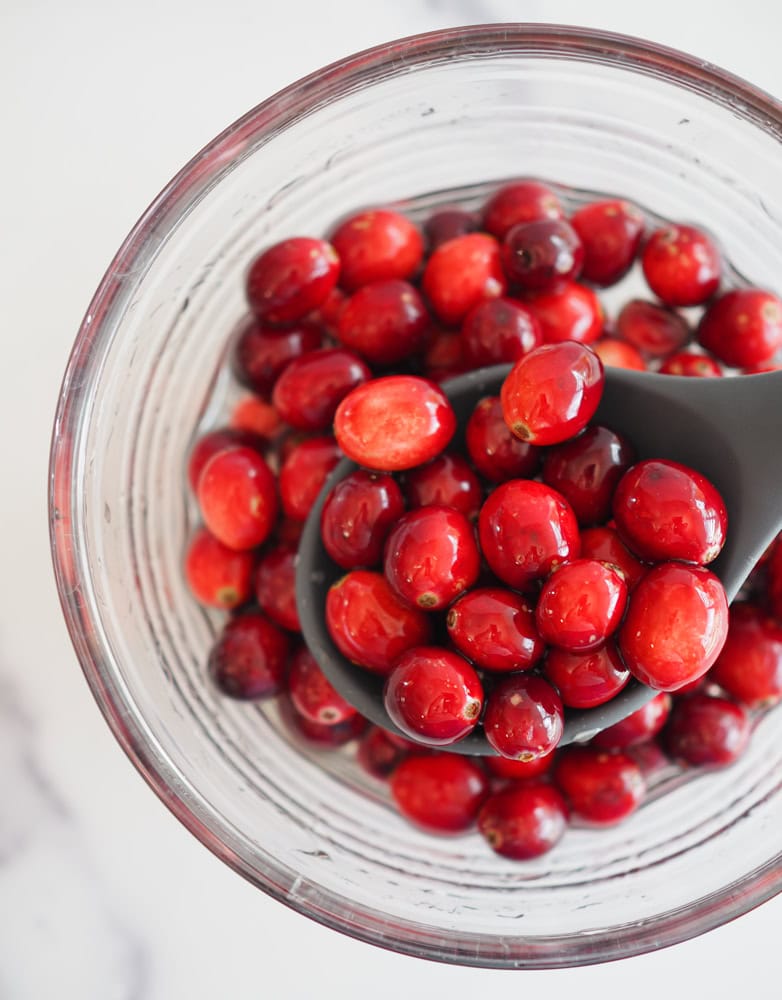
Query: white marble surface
[[102, 894]]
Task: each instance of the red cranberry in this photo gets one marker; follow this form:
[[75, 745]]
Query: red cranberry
[[291, 278], [524, 717], [496, 629], [617, 354], [433, 695], [610, 232], [600, 787], [526, 529], [446, 481], [652, 328], [431, 557], [460, 274], [499, 330], [237, 497], [378, 245], [357, 516], [447, 224], [524, 822], [604, 543], [324, 737], [248, 659], [682, 266], [580, 605], [261, 352], [394, 423], [638, 727], [369, 624], [312, 693], [585, 680], [664, 510], [256, 418], [311, 387], [749, 667], [742, 327], [519, 770], [385, 322], [328, 312], [275, 587], [444, 358], [377, 754], [303, 474], [552, 393], [706, 730], [217, 576], [520, 201], [568, 312], [691, 364], [675, 626], [210, 444], [537, 256], [440, 792], [493, 450]]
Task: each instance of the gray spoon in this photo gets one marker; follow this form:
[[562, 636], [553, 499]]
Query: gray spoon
[[729, 429]]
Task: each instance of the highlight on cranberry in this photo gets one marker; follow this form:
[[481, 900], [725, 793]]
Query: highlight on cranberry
[[499, 571]]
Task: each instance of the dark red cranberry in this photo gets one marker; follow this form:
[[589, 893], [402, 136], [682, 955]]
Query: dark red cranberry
[[638, 727], [377, 754], [209, 445], [599, 786], [519, 770], [499, 330], [303, 474], [385, 322], [742, 327], [749, 667], [275, 587], [446, 481], [585, 680], [537, 256], [496, 629], [357, 516], [524, 717], [216, 575], [238, 498], [706, 730], [440, 792], [691, 364], [262, 352], [328, 312], [461, 273], [291, 279], [610, 232], [257, 418], [604, 543], [311, 387], [447, 224], [312, 694], [617, 354], [568, 312], [378, 245], [581, 605], [520, 201], [324, 737], [495, 452], [525, 821], [652, 328], [682, 266], [248, 659], [444, 357]]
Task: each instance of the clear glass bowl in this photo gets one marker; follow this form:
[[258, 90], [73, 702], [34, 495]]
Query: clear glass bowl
[[436, 111]]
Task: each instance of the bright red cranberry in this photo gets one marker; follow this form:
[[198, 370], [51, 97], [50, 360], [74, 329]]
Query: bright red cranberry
[[378, 245], [275, 587], [369, 624], [664, 510], [323, 736], [444, 358], [610, 233], [447, 224], [496, 629], [638, 727], [446, 481], [524, 717], [291, 278], [524, 822], [587, 469], [440, 792], [537, 256], [568, 312], [209, 445], [357, 516], [520, 201], [691, 364], [682, 266], [604, 543], [652, 328], [377, 754], [248, 659], [585, 680], [312, 693], [617, 354], [461, 273], [238, 498], [216, 575], [675, 626], [580, 605], [552, 393], [262, 352], [385, 322], [705, 730], [311, 387], [499, 330], [749, 667], [519, 770], [256, 417], [599, 786], [495, 452], [433, 695], [394, 423], [303, 474], [431, 557], [526, 529], [742, 327]]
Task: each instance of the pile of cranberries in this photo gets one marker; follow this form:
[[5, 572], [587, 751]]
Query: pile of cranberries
[[536, 568]]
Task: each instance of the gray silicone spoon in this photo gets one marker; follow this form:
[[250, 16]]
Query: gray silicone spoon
[[729, 429]]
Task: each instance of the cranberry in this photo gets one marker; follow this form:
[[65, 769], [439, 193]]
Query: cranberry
[[519, 770], [652, 328], [675, 626], [691, 364], [431, 557], [433, 695], [394, 423], [237, 497], [568, 312], [524, 717], [328, 312], [460, 274], [526, 529], [493, 450], [617, 354], [217, 576], [256, 418], [312, 693], [275, 587], [552, 393], [499, 330], [580, 605], [369, 624], [444, 358], [610, 232], [249, 657], [311, 387], [447, 481], [604, 543], [749, 667], [377, 754], [447, 224], [664, 510], [524, 822], [587, 469], [742, 327], [682, 266], [537, 256], [211, 443], [638, 727], [357, 516], [496, 629], [261, 352], [303, 474], [323, 736], [291, 278], [585, 680], [378, 245], [385, 322], [704, 729], [599, 786], [520, 201], [440, 792]]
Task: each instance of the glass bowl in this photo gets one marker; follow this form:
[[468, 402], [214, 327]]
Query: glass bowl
[[425, 114]]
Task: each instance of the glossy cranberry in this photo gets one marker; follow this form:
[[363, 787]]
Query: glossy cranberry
[[311, 387], [446, 481], [524, 718], [552, 393], [394, 423], [604, 543], [320, 735], [275, 587], [682, 266], [447, 224], [444, 357], [569, 312], [431, 557], [585, 680], [377, 754], [262, 352], [357, 516], [742, 327], [291, 278], [652, 328], [461, 273], [497, 331], [378, 245], [599, 786], [749, 668], [520, 201], [209, 445], [706, 730], [691, 364], [617, 354], [248, 659], [526, 529], [610, 233], [433, 695], [216, 575], [303, 474], [675, 626], [496, 629], [440, 792], [524, 822], [581, 605], [638, 727], [537, 256], [664, 510], [257, 418], [519, 770], [369, 624], [587, 469], [238, 498], [495, 452], [384, 322], [312, 693]]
